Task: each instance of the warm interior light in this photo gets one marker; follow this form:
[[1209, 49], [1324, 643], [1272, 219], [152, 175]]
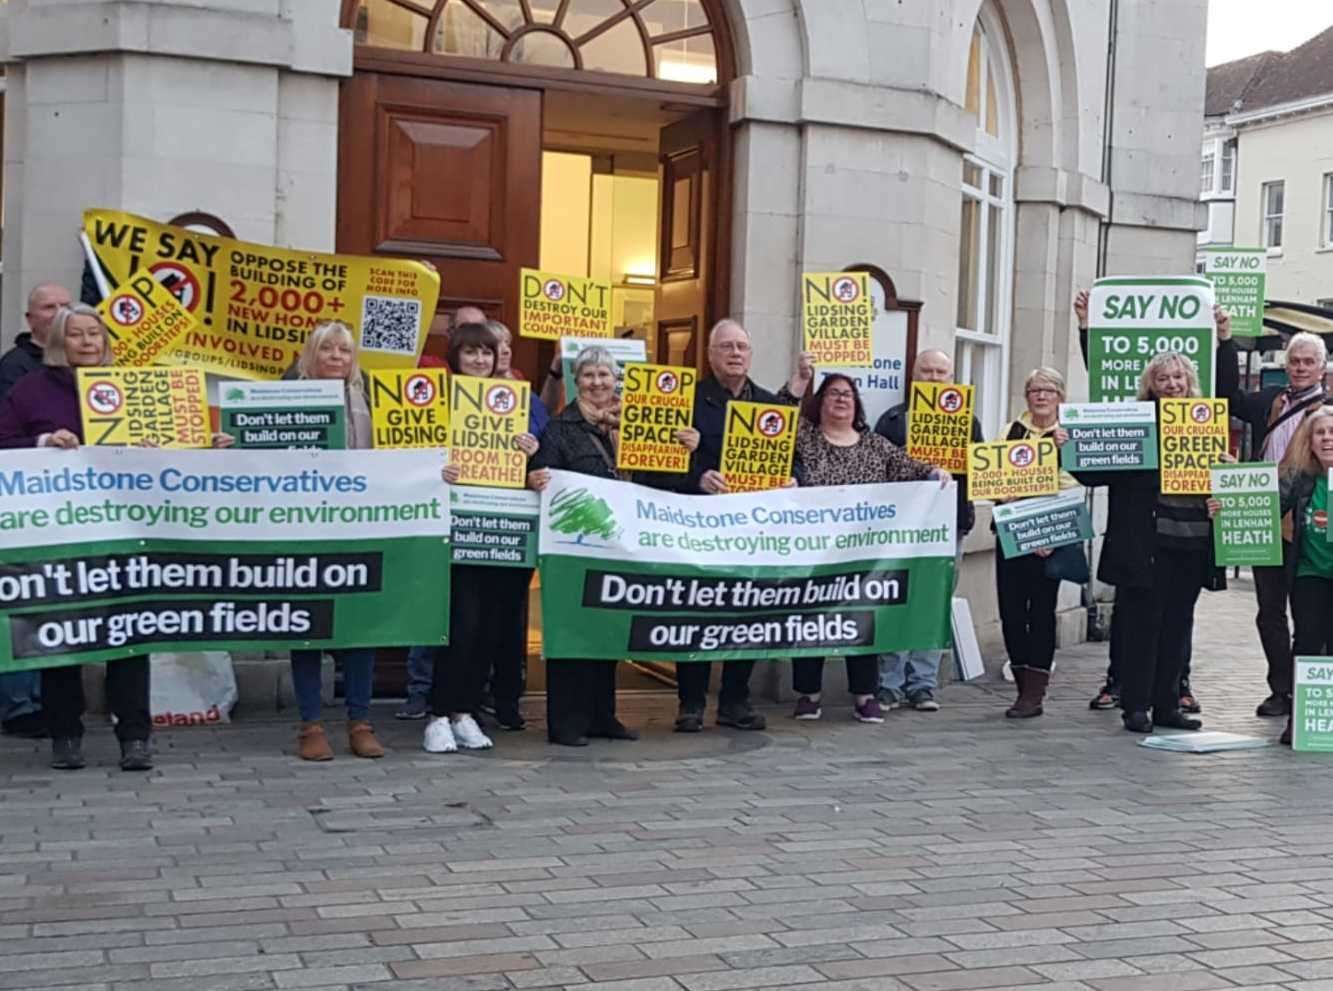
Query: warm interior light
[[640, 280]]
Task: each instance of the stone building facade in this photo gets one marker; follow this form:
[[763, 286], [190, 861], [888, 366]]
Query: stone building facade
[[991, 156]]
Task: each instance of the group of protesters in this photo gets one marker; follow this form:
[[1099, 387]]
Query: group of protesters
[[1157, 549]]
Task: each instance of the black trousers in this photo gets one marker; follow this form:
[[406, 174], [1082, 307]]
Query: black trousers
[[1155, 630], [580, 697], [509, 663], [1116, 648], [478, 616], [1272, 589], [1027, 610], [807, 674], [126, 697], [1312, 612], [692, 679]]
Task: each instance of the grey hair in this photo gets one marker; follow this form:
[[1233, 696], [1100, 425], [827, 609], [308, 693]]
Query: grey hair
[[1051, 375], [54, 353], [595, 356], [305, 364], [723, 323], [1305, 339], [502, 333], [1161, 360]]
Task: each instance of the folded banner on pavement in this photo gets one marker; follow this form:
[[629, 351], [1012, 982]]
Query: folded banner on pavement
[[110, 552], [633, 572]]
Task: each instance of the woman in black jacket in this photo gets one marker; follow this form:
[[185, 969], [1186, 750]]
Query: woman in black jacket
[[582, 438], [1158, 554]]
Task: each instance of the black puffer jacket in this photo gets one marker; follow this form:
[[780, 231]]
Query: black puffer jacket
[[571, 443], [893, 425]]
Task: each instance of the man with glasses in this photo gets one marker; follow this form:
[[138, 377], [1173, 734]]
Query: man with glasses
[[729, 355], [911, 678]]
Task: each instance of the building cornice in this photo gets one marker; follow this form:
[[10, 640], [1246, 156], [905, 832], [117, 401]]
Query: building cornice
[[300, 38], [1263, 115]]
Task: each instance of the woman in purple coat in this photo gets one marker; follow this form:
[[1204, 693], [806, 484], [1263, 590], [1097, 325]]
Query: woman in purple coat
[[42, 410]]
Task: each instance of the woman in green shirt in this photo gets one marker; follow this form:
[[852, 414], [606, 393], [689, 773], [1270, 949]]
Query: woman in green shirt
[[1304, 486]]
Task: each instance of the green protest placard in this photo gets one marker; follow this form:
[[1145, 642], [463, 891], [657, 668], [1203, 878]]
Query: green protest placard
[[1312, 705], [1109, 436], [1240, 279], [623, 349], [1033, 524], [1248, 530], [1131, 320], [115, 552], [633, 572], [496, 527], [295, 413]]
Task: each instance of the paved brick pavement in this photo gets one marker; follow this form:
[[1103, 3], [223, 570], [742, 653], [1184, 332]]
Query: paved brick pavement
[[949, 851]]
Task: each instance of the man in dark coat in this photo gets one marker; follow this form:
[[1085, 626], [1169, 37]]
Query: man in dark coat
[[729, 355], [20, 708], [911, 678]]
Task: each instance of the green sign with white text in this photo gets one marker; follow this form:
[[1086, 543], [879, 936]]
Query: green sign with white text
[[1312, 705], [1240, 279], [1248, 530], [287, 414], [1038, 524], [113, 552], [1131, 320], [495, 527], [1109, 436]]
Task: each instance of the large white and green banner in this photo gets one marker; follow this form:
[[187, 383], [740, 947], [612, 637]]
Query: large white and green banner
[[1130, 320], [632, 572], [110, 552]]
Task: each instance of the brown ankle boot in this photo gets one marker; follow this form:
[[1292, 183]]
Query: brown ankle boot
[[1032, 695], [312, 744], [1019, 674], [361, 739]]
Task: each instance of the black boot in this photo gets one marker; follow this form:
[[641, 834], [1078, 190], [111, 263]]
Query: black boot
[[690, 719], [740, 715], [135, 756], [67, 753], [1175, 719], [1137, 721], [1031, 696]]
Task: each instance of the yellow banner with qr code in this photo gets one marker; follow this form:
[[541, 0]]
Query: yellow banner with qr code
[[254, 305]]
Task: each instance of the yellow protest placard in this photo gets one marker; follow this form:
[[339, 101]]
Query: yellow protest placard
[[554, 306], [1193, 435], [485, 415], [254, 304], [656, 401], [409, 408], [145, 321], [939, 424], [758, 445], [838, 317], [1013, 469], [167, 407]]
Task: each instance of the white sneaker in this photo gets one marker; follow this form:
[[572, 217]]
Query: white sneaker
[[469, 734], [439, 738]]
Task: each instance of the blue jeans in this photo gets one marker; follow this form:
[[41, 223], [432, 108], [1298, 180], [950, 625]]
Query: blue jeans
[[20, 694], [420, 672], [358, 680], [905, 674]]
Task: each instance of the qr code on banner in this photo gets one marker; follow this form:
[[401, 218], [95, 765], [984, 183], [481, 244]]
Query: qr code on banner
[[390, 323]]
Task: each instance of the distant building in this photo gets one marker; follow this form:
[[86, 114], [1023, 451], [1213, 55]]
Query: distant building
[[1266, 171]]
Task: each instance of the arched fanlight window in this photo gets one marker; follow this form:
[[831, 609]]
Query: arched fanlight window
[[985, 243], [670, 40]]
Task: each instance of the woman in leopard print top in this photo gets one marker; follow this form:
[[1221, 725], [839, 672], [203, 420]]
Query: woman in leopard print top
[[835, 446]]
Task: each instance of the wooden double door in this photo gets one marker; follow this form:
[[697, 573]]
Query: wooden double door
[[450, 173]]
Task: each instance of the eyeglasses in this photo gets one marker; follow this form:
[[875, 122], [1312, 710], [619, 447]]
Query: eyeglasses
[[1042, 391], [840, 394], [740, 347]]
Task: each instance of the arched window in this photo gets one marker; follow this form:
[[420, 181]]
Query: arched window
[[671, 40], [985, 243]]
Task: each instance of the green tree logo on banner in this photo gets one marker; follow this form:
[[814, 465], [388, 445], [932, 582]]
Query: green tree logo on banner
[[577, 513]]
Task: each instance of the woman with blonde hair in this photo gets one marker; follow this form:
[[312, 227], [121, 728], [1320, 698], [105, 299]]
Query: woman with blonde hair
[[42, 410], [330, 353], [1158, 554], [1026, 593], [1303, 484]]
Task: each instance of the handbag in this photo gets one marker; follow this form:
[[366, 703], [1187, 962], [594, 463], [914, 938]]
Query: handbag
[[1067, 563]]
